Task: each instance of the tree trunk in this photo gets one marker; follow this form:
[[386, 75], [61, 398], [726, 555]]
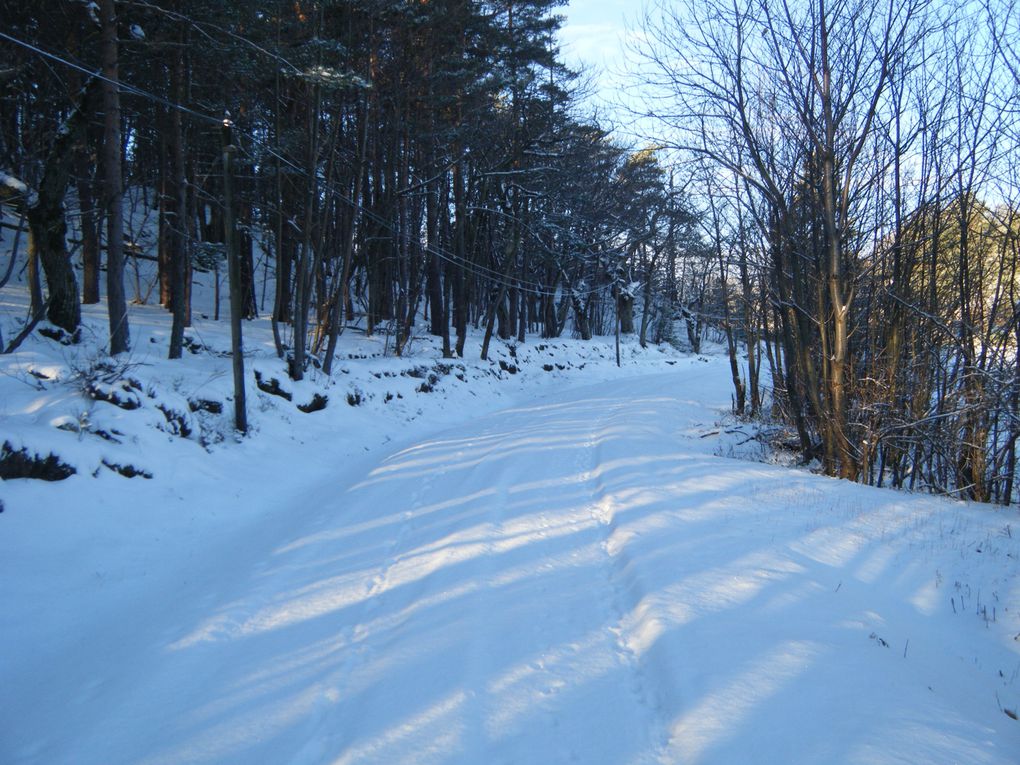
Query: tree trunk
[[625, 310], [115, 299], [342, 297], [460, 297], [176, 206], [47, 226], [437, 316], [510, 256], [89, 230], [302, 279], [234, 266]]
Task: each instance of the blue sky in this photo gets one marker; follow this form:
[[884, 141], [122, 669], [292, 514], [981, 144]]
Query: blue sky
[[593, 40], [593, 36], [594, 28]]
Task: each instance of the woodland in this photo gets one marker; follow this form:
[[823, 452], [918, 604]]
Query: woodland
[[832, 187]]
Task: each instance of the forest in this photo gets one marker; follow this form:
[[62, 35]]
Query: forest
[[832, 187]]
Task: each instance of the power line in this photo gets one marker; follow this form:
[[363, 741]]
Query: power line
[[97, 74], [474, 268]]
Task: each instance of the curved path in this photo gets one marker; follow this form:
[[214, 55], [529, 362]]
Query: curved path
[[577, 580]]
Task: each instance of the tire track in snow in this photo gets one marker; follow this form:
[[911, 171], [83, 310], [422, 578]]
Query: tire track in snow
[[357, 635], [624, 591], [526, 668], [413, 557], [480, 659], [535, 636]]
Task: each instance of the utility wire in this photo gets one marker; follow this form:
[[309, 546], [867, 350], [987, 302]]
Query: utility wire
[[477, 269]]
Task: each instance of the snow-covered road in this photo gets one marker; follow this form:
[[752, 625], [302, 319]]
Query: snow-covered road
[[580, 579]]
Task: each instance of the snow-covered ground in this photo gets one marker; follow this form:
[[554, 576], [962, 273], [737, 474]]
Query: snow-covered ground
[[522, 561]]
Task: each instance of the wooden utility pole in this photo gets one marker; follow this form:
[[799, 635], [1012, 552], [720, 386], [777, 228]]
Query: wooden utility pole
[[234, 276], [616, 300]]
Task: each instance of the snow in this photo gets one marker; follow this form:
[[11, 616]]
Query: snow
[[547, 565], [16, 185], [93, 9]]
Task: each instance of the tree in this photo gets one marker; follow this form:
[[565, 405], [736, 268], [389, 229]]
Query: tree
[[788, 96], [113, 182]]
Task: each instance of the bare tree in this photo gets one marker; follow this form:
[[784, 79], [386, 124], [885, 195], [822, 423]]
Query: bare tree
[[789, 97]]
